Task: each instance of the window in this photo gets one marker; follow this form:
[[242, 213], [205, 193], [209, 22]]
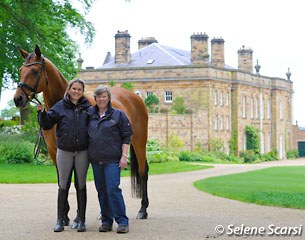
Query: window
[[244, 107], [263, 109], [269, 142], [227, 99], [150, 61], [215, 122], [168, 96], [281, 109], [149, 93], [138, 92], [269, 109], [221, 122], [220, 99], [215, 97], [227, 122], [252, 107], [256, 108]]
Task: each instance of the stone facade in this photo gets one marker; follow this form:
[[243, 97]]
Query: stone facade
[[299, 139], [223, 100]]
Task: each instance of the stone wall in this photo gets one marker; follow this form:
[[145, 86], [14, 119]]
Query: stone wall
[[191, 128]]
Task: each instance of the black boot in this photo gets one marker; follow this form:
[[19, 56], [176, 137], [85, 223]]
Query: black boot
[[66, 210], [61, 201], [82, 203]]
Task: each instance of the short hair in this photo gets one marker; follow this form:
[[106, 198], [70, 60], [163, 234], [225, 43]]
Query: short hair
[[101, 89], [76, 80]]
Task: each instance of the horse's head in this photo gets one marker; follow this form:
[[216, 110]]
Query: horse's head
[[33, 77]]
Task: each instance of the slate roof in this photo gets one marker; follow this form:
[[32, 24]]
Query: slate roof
[[153, 55]]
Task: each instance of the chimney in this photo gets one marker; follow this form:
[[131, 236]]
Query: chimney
[[217, 52], [146, 41], [199, 48], [122, 47], [245, 61]]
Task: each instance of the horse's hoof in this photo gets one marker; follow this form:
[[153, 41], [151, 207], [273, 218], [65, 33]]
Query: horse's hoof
[[142, 215]]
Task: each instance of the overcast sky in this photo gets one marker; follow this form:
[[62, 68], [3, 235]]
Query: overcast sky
[[273, 29]]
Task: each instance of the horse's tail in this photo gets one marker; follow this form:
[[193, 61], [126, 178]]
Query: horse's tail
[[136, 182]]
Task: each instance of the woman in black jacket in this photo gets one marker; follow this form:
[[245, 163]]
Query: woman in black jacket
[[109, 136], [70, 115]]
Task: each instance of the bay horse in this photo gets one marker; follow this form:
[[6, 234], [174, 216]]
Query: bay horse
[[38, 74]]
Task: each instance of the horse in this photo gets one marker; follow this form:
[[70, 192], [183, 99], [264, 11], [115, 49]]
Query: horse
[[38, 74]]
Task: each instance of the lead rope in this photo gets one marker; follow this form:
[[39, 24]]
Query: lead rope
[[38, 143]]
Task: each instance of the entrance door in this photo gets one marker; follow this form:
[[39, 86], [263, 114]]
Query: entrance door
[[301, 148]]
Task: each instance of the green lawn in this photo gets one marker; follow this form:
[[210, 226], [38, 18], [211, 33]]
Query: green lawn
[[26, 173], [275, 186]]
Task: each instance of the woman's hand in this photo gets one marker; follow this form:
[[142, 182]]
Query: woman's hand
[[40, 108], [123, 162]]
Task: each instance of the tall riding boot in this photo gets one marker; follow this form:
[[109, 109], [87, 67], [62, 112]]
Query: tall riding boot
[[75, 221], [82, 203], [66, 210], [61, 201]]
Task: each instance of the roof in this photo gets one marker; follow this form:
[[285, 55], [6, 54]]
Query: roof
[[153, 55]]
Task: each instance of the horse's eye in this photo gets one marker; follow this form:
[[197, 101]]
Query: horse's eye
[[35, 72]]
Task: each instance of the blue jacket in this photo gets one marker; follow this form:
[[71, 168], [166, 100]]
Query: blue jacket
[[72, 123], [107, 135]]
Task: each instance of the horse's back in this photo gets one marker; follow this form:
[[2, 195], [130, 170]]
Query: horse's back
[[131, 104]]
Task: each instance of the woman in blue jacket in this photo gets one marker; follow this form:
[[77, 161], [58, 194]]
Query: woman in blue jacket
[[109, 136], [71, 116]]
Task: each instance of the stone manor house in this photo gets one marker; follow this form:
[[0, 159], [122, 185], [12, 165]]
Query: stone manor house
[[221, 100]]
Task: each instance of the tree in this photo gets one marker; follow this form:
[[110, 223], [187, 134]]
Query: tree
[[45, 23], [178, 105], [152, 102], [127, 85], [10, 111]]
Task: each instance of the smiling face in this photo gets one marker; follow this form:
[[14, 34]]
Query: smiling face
[[102, 100], [75, 92]]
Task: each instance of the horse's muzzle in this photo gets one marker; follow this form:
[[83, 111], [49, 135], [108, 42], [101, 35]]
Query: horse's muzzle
[[19, 101]]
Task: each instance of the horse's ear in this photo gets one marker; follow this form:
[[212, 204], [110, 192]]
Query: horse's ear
[[23, 53], [37, 51]]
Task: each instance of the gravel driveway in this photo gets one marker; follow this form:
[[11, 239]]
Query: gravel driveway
[[177, 210]]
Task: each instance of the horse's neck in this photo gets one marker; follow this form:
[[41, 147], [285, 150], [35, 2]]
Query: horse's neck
[[55, 89]]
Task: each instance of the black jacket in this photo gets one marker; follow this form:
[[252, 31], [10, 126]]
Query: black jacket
[[107, 135], [72, 122]]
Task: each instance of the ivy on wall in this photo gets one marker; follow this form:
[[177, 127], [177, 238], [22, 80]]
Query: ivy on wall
[[253, 141]]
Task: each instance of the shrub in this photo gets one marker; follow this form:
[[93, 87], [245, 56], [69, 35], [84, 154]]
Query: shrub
[[216, 145], [267, 156], [152, 103], [274, 154], [233, 158], [175, 143], [249, 156], [188, 156], [7, 123], [178, 105], [161, 156], [127, 85], [253, 142], [292, 154], [14, 150], [158, 154]]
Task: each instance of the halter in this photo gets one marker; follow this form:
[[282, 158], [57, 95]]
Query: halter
[[33, 91], [32, 96]]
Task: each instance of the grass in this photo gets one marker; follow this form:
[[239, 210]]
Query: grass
[[275, 186], [27, 173]]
